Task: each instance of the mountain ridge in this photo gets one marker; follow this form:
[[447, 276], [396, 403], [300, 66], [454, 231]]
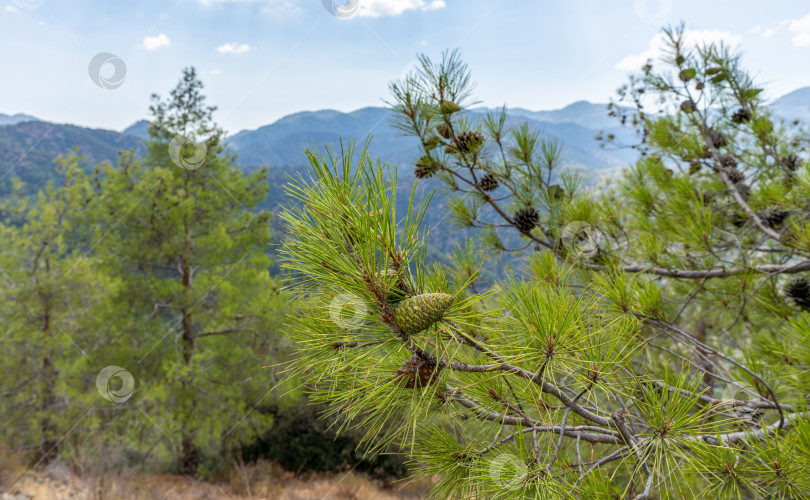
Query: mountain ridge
[[28, 145], [794, 105], [16, 118]]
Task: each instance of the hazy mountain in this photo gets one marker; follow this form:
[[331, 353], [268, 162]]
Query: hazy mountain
[[583, 113], [138, 129], [28, 150], [283, 141], [794, 106], [28, 147], [15, 119]]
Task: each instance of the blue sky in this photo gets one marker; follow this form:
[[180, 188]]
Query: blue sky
[[263, 59]]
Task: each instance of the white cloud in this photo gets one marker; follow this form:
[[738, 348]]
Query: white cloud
[[656, 47], [209, 2], [365, 8], [11, 9], [769, 31], [380, 8], [215, 72], [801, 28], [233, 48], [156, 42]]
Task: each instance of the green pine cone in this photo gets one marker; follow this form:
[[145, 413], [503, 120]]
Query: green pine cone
[[449, 107], [417, 313]]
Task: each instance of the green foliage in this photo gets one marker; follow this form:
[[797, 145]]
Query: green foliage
[[655, 345], [156, 265], [199, 276], [55, 308]]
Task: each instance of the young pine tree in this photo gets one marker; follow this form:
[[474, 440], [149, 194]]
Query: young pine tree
[[656, 344], [179, 228]]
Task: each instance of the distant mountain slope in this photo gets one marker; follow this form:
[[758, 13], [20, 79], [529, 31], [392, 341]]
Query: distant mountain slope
[[28, 147], [28, 150], [138, 129], [283, 141], [15, 119], [583, 113], [794, 106]]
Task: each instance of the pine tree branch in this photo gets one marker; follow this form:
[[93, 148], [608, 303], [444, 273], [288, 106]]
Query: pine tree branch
[[689, 362], [705, 273], [492, 416], [736, 437], [508, 368], [551, 429], [562, 427], [741, 202], [348, 345], [763, 405], [622, 452], [711, 350]]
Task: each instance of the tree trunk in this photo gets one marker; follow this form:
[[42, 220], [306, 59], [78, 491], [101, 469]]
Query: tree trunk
[[48, 444], [190, 454]]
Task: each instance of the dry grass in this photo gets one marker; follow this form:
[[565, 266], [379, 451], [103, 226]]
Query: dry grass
[[262, 480]]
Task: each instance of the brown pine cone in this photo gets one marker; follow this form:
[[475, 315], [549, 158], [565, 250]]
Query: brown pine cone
[[417, 372], [716, 139], [799, 291], [742, 115], [526, 219], [488, 183], [773, 216]]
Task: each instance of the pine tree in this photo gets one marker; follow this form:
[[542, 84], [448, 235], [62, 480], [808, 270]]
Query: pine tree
[[180, 229], [54, 305], [653, 346]]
